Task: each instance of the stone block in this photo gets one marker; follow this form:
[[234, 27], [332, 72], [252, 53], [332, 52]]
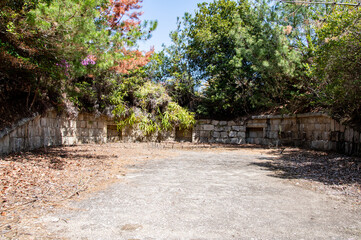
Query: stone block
[[89, 124], [36, 142], [318, 144], [232, 134], [216, 134], [235, 140], [236, 128], [203, 121], [310, 120], [317, 135], [84, 132], [101, 125], [223, 123], [326, 136], [317, 127], [207, 127], [356, 137], [332, 125], [275, 127], [347, 134], [241, 134], [309, 127], [205, 134], [43, 122], [227, 128], [83, 124], [232, 123], [224, 134], [218, 129], [215, 122], [20, 132], [65, 123], [337, 126], [273, 135], [5, 143]]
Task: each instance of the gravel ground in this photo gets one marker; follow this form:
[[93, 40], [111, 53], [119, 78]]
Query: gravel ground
[[201, 193]]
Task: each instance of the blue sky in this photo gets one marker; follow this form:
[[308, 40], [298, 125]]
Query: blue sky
[[166, 12]]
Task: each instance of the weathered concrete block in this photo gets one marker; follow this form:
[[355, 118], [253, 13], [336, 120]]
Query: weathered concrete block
[[20, 132], [317, 126], [311, 120], [65, 123], [235, 140], [101, 125], [216, 134], [347, 134], [37, 142], [356, 137], [273, 135], [316, 135], [13, 134], [224, 134], [84, 132], [236, 128], [80, 117], [43, 122], [232, 134], [241, 134], [89, 124], [275, 122], [207, 127], [223, 123], [215, 122], [231, 123], [205, 134], [318, 144], [218, 129], [203, 139], [203, 121], [326, 136], [227, 128]]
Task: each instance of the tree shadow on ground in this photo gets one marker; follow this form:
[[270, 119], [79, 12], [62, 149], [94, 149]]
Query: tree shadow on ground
[[327, 168], [54, 157]]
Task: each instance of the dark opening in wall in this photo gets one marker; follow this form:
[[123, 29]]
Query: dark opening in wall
[[113, 135], [254, 135], [182, 135]]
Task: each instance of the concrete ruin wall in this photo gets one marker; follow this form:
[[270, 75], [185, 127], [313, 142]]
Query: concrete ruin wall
[[315, 130], [51, 129]]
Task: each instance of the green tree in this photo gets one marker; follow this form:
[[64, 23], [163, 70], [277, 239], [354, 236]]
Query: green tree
[[337, 65], [48, 47], [243, 56], [177, 74]]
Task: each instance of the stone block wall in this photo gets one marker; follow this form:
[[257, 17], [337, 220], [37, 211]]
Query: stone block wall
[[54, 130], [314, 130], [50, 130], [212, 131]]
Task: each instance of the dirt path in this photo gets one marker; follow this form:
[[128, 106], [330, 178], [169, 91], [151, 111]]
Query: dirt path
[[205, 195]]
